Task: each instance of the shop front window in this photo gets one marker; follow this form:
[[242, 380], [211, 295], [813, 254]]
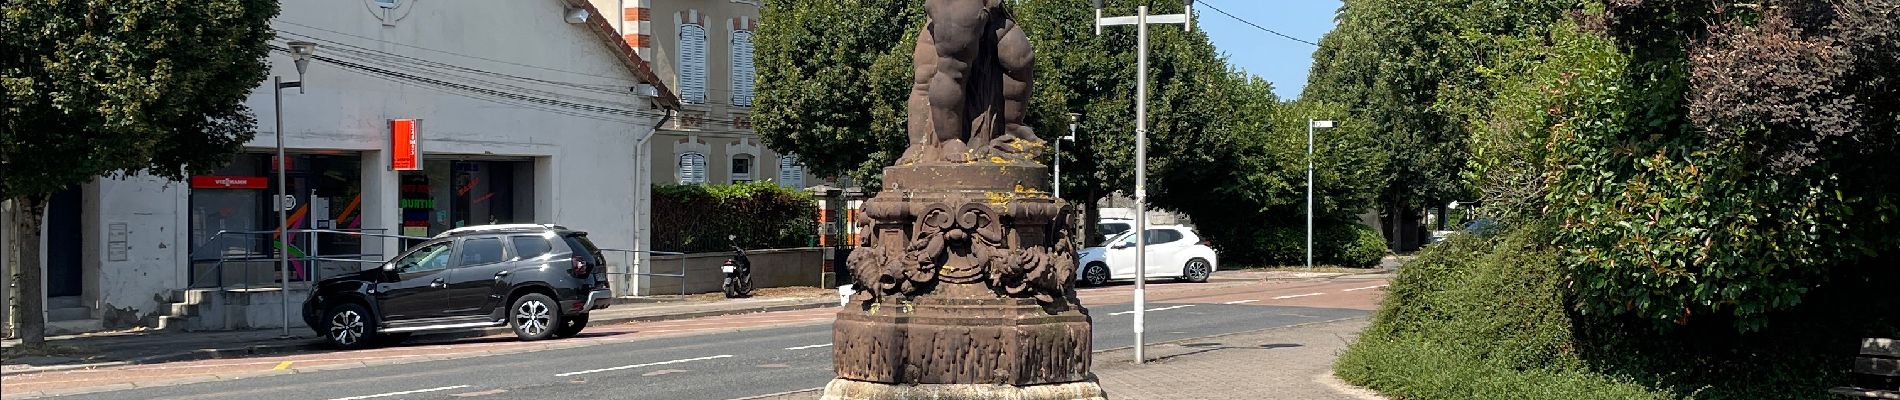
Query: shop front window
[[449, 194], [234, 217]]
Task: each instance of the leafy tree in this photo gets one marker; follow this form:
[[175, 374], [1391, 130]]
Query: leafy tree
[[1415, 72], [833, 78], [118, 87]]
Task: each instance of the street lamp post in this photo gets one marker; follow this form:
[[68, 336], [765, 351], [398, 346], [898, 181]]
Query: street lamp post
[[1058, 156], [1140, 20], [300, 52], [1310, 125]]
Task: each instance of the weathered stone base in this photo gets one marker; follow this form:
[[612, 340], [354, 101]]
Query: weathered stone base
[[846, 389], [975, 338]]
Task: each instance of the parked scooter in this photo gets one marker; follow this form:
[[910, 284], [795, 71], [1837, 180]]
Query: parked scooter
[[738, 271]]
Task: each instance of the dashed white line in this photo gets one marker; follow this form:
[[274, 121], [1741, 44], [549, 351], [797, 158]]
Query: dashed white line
[[1297, 295], [1154, 309], [1363, 288], [645, 365], [1240, 301], [808, 347], [402, 393]]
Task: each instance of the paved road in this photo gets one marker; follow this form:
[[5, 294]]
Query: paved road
[[714, 358]]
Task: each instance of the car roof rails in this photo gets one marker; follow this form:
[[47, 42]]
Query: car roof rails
[[501, 227]]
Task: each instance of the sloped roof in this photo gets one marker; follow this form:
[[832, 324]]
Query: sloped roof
[[604, 30]]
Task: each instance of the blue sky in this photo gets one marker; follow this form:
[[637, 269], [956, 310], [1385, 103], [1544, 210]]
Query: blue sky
[[1281, 61]]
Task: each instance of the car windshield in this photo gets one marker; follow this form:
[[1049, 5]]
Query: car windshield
[[1123, 238]]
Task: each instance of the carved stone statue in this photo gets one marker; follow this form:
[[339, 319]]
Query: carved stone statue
[[965, 266], [973, 68]]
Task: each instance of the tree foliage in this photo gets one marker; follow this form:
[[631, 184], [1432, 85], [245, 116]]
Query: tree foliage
[[1698, 161], [101, 87], [833, 77], [1222, 148]]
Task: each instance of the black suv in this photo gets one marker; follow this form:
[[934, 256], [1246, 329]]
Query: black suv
[[541, 280]]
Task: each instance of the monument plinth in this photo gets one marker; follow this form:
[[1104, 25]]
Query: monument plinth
[[965, 265]]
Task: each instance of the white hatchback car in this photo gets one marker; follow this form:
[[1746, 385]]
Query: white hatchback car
[[1174, 251]]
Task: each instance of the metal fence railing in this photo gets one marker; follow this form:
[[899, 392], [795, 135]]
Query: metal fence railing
[[250, 259], [624, 279]]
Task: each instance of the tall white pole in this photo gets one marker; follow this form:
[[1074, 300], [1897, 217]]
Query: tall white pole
[[1309, 193], [283, 212], [1058, 161], [1141, 177]]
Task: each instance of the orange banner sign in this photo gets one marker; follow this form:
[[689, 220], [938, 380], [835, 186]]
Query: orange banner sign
[[405, 145]]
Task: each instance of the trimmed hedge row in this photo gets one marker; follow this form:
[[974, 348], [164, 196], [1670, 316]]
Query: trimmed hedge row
[[697, 218]]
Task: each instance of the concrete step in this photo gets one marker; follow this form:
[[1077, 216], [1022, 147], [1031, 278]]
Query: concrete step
[[68, 313], [167, 323], [64, 302], [73, 327], [181, 309]]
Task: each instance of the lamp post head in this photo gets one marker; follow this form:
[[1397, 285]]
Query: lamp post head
[[1098, 4], [300, 52]]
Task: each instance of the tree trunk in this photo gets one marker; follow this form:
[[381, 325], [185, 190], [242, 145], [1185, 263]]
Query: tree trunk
[[1089, 216], [29, 216]]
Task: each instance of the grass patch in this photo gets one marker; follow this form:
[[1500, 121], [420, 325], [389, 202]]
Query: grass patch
[[1423, 369]]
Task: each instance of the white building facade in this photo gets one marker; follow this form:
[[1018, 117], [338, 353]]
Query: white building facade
[[523, 111]]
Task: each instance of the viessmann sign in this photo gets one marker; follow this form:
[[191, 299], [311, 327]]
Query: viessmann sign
[[229, 182], [405, 145]]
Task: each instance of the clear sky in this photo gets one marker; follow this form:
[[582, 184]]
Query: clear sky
[[1280, 60]]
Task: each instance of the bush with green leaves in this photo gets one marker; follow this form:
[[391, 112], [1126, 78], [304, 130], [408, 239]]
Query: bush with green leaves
[[1479, 317], [698, 218]]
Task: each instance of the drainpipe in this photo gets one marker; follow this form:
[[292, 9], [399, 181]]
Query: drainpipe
[[642, 204]]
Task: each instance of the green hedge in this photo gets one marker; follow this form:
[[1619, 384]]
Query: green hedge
[[697, 218], [1495, 317], [1344, 243]]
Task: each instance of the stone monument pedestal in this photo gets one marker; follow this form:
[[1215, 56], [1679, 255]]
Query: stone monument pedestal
[[846, 389], [967, 274]]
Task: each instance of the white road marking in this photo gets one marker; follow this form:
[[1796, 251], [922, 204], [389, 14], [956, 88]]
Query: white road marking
[[1297, 295], [1240, 301], [809, 347], [1363, 288], [1154, 309], [644, 365], [402, 393]]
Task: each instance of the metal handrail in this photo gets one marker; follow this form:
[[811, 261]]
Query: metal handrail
[[632, 254], [315, 274]]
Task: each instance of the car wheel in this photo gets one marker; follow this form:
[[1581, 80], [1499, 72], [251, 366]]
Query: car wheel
[[534, 317], [1197, 270], [349, 326], [1095, 275], [571, 326]]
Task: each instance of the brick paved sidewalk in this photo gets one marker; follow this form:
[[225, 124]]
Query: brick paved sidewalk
[[1285, 363], [119, 348]]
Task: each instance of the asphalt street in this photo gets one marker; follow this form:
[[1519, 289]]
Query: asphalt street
[[716, 366]]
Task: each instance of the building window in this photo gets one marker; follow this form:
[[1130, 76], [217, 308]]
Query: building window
[[741, 57], [692, 56], [692, 169], [790, 174], [742, 169]]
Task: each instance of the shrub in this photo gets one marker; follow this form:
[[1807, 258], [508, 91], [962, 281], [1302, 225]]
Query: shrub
[[1363, 248], [1340, 242], [697, 218]]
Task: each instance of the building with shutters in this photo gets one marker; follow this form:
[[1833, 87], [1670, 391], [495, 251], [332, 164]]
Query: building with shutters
[[518, 111]]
